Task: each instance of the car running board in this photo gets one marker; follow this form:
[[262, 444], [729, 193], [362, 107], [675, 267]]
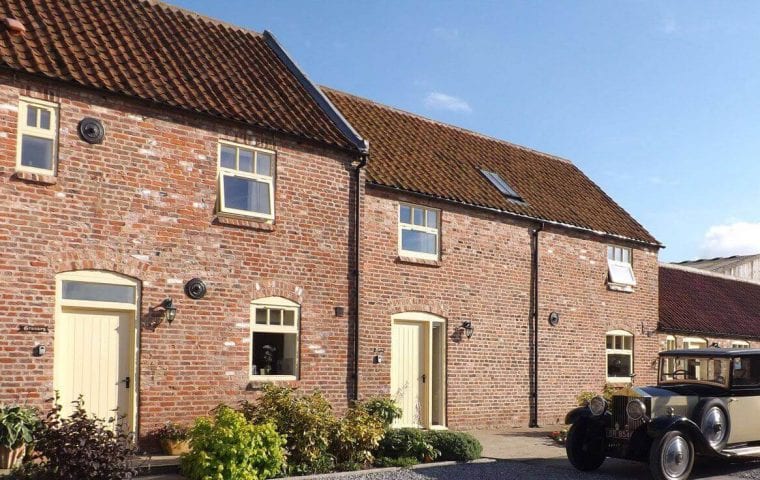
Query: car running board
[[753, 451]]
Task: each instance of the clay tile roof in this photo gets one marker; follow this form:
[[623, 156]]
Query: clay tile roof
[[699, 302], [161, 53], [415, 154]]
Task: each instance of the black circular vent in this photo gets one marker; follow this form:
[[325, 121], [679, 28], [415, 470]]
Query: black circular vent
[[91, 130], [195, 289]]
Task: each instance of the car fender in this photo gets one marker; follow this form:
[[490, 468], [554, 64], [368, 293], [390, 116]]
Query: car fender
[[659, 426], [583, 412]]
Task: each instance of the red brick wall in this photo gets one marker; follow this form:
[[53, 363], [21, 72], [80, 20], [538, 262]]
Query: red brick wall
[[484, 275], [142, 204]]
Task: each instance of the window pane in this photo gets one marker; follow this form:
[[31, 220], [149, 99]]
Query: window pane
[[405, 214], [227, 157], [628, 343], [288, 318], [610, 253], [274, 353], [261, 316], [626, 255], [610, 342], [419, 218], [245, 161], [275, 317], [432, 219], [37, 152], [99, 292], [264, 164], [618, 365], [618, 343], [45, 119], [31, 116], [246, 194], [421, 242]]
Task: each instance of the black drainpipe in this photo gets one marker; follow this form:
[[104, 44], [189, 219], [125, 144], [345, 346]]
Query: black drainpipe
[[534, 325], [357, 243]]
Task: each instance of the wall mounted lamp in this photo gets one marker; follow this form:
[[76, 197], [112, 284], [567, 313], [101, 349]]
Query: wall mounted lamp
[[467, 328], [165, 310]]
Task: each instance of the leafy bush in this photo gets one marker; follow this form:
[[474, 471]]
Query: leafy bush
[[172, 431], [355, 437], [383, 408], [78, 447], [406, 442], [456, 446], [228, 447], [403, 462], [17, 423], [608, 391], [307, 423]]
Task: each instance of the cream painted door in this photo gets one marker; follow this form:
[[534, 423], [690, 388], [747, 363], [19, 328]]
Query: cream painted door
[[407, 370], [92, 356]]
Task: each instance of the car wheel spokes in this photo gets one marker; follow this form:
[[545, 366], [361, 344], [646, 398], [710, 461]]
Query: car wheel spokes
[[676, 457], [714, 426]]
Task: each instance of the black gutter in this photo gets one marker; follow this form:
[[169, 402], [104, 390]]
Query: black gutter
[[533, 328], [518, 216], [357, 178]]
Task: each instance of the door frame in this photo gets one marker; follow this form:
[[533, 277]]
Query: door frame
[[427, 321], [108, 278]]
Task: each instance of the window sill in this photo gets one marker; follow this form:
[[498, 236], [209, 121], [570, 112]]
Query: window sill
[[620, 287], [418, 261], [259, 381], [40, 178], [243, 222], [619, 380]]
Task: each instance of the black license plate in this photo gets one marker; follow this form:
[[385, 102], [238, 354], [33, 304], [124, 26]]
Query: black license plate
[[619, 434]]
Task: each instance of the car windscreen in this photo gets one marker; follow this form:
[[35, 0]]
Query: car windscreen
[[686, 369]]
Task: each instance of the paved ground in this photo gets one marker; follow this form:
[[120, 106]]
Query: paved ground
[[528, 454]]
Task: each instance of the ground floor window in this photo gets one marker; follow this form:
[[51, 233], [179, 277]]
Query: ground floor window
[[274, 338], [619, 356], [739, 344]]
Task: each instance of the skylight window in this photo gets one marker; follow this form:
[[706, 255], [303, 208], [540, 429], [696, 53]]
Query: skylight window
[[500, 184]]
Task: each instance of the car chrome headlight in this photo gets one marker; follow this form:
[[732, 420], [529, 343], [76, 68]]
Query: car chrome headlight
[[597, 405], [636, 409]]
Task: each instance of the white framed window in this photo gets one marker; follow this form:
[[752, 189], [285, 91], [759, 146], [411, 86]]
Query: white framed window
[[37, 136], [246, 180], [620, 268], [274, 348], [670, 342], [418, 231], [694, 343], [619, 356], [670, 363], [739, 344]]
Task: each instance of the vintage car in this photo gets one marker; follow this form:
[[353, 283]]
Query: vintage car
[[706, 402]]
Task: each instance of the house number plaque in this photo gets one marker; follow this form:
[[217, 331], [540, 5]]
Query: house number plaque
[[32, 329]]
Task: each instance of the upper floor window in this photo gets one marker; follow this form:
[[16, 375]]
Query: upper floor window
[[246, 180], [620, 268], [619, 356], [37, 134], [274, 339], [418, 231]]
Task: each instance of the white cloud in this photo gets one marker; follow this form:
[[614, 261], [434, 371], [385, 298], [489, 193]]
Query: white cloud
[[441, 101], [739, 238]]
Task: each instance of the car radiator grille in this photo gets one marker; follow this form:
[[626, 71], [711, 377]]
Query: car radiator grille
[[620, 417]]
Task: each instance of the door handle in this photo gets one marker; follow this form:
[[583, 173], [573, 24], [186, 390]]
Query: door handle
[[423, 378], [125, 382]]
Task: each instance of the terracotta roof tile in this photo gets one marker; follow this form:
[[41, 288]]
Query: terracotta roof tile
[[697, 302], [161, 53], [419, 155]]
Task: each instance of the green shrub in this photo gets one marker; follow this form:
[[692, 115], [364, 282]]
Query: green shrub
[[383, 408], [406, 442], [17, 423], [79, 446], [355, 437], [403, 462], [456, 446], [307, 423], [228, 447]]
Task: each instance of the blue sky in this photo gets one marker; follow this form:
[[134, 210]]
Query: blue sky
[[657, 101]]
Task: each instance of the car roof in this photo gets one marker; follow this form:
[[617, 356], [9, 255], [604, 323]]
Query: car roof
[[713, 352]]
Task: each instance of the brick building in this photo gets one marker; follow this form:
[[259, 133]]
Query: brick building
[[143, 146], [451, 221], [699, 309]]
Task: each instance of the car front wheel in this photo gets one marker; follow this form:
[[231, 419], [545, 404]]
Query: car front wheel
[[585, 446], [671, 457]]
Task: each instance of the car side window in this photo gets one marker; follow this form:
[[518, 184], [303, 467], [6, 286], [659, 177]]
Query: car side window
[[746, 371]]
